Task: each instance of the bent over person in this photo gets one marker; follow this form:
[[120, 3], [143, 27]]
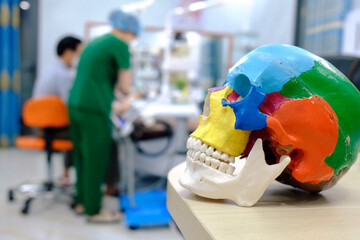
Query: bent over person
[[105, 62]]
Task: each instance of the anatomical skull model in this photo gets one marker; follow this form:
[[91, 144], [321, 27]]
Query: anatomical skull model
[[283, 113]]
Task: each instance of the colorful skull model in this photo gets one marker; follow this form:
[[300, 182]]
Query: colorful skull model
[[283, 113]]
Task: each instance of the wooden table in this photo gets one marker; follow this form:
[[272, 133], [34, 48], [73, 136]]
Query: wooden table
[[283, 212]]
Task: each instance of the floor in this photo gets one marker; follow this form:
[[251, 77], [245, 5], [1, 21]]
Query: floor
[[49, 220]]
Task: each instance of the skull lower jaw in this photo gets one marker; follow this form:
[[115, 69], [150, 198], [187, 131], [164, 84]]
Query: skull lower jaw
[[204, 180], [208, 175], [245, 186], [207, 182]]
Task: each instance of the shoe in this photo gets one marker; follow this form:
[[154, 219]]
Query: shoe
[[105, 216]]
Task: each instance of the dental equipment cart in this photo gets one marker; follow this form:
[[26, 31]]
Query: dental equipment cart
[[148, 208]]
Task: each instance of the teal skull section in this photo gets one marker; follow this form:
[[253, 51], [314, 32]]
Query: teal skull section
[[269, 68]]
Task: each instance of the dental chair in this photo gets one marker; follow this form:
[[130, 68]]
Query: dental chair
[[49, 114]]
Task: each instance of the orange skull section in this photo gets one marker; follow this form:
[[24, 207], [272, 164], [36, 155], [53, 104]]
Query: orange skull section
[[310, 126]]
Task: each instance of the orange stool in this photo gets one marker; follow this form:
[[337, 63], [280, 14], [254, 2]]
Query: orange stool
[[48, 113]]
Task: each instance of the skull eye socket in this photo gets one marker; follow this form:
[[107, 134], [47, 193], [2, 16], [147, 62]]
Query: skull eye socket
[[239, 82]]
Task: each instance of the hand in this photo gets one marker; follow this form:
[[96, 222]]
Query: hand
[[119, 107]]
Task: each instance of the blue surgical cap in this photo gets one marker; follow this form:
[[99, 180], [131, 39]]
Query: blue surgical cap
[[125, 22]]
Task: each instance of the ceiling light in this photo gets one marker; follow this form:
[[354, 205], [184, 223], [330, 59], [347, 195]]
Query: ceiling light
[[24, 5], [197, 6]]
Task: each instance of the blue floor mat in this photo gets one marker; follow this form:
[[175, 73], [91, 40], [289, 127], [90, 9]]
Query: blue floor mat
[[149, 210]]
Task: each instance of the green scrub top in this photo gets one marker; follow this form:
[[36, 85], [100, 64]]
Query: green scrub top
[[97, 74]]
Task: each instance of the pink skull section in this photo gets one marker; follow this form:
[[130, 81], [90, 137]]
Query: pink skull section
[[272, 103]]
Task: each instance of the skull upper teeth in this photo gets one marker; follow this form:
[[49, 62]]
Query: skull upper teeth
[[209, 151], [197, 145], [208, 155], [217, 154], [225, 157], [204, 147]]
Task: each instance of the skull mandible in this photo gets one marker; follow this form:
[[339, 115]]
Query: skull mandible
[[283, 113]]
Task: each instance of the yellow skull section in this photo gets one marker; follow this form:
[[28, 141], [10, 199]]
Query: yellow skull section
[[217, 129]]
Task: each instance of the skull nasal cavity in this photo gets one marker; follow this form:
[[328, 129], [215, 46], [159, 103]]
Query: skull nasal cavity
[[233, 97]]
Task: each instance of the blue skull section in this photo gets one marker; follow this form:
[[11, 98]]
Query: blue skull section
[[247, 113], [263, 71]]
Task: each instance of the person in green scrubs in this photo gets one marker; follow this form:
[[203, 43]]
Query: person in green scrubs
[[104, 65]]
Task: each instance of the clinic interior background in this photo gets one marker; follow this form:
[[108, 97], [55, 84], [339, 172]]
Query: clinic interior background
[[249, 23], [235, 17]]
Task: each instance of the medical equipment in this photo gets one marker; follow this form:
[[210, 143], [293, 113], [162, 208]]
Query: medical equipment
[[148, 207]]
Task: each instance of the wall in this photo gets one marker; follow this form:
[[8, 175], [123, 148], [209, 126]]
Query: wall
[[59, 18], [254, 23], [272, 21]]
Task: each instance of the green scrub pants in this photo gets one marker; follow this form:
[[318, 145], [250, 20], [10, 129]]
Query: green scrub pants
[[91, 136]]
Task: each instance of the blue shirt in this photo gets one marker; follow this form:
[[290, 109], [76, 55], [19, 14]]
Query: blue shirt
[[56, 79]]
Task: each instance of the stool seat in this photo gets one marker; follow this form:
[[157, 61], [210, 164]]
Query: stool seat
[[32, 142], [49, 114]]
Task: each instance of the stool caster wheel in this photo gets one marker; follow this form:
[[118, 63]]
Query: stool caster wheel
[[26, 208], [11, 197]]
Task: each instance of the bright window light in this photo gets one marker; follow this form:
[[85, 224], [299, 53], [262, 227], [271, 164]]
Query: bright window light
[[193, 38], [99, 31]]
